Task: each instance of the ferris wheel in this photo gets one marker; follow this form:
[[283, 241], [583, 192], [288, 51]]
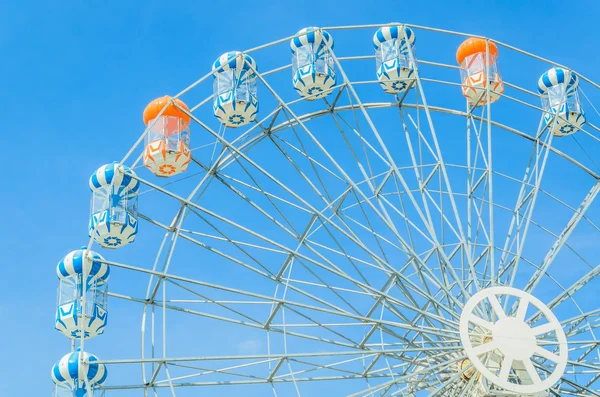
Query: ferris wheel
[[351, 218]]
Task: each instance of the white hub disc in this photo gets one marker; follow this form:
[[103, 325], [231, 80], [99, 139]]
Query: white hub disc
[[514, 340]]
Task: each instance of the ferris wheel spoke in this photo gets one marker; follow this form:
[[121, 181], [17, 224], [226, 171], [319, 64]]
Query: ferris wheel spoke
[[418, 168], [432, 237], [426, 293], [233, 371], [424, 282], [340, 121], [226, 157], [298, 237], [379, 293], [266, 193], [563, 237], [293, 253], [481, 322], [531, 371], [332, 367], [427, 319], [338, 312], [404, 378], [480, 202], [192, 240], [409, 223], [368, 172], [325, 285], [383, 239], [375, 211], [484, 348], [388, 156], [203, 367], [342, 253], [430, 302], [540, 351], [442, 164], [333, 310], [588, 349], [481, 228], [323, 193], [264, 272], [439, 208], [522, 309], [527, 198], [319, 324], [272, 328], [577, 388], [235, 242], [169, 381], [304, 153], [380, 241], [505, 368], [371, 230], [575, 287], [322, 149], [347, 277], [392, 270], [454, 384], [383, 295], [573, 326], [207, 299], [496, 306], [270, 198]]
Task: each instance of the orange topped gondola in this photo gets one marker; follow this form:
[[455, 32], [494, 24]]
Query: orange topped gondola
[[167, 150], [154, 108], [473, 46], [471, 56]]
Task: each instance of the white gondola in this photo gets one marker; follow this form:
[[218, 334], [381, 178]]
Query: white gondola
[[312, 63], [395, 49], [235, 100], [73, 316], [78, 374], [113, 221], [558, 89]]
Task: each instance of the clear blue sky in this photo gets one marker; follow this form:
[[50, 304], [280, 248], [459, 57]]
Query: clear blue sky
[[75, 77]]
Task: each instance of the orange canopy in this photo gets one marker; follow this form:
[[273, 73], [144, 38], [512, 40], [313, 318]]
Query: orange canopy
[[154, 108], [473, 46]]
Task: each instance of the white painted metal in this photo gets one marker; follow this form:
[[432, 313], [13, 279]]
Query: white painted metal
[[412, 251], [514, 339]]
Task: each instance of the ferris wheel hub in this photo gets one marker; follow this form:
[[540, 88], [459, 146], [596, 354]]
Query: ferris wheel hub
[[514, 337], [501, 344]]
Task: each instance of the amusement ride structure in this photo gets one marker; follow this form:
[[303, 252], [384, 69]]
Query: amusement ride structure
[[385, 225]]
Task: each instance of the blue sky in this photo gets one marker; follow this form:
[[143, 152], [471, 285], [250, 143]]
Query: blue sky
[[75, 78]]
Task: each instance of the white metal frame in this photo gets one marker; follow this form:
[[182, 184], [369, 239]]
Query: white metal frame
[[403, 206]]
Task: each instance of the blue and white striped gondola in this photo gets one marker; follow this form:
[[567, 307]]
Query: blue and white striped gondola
[[235, 90], [312, 63], [77, 372], [114, 221], [395, 48], [560, 97], [71, 316]]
